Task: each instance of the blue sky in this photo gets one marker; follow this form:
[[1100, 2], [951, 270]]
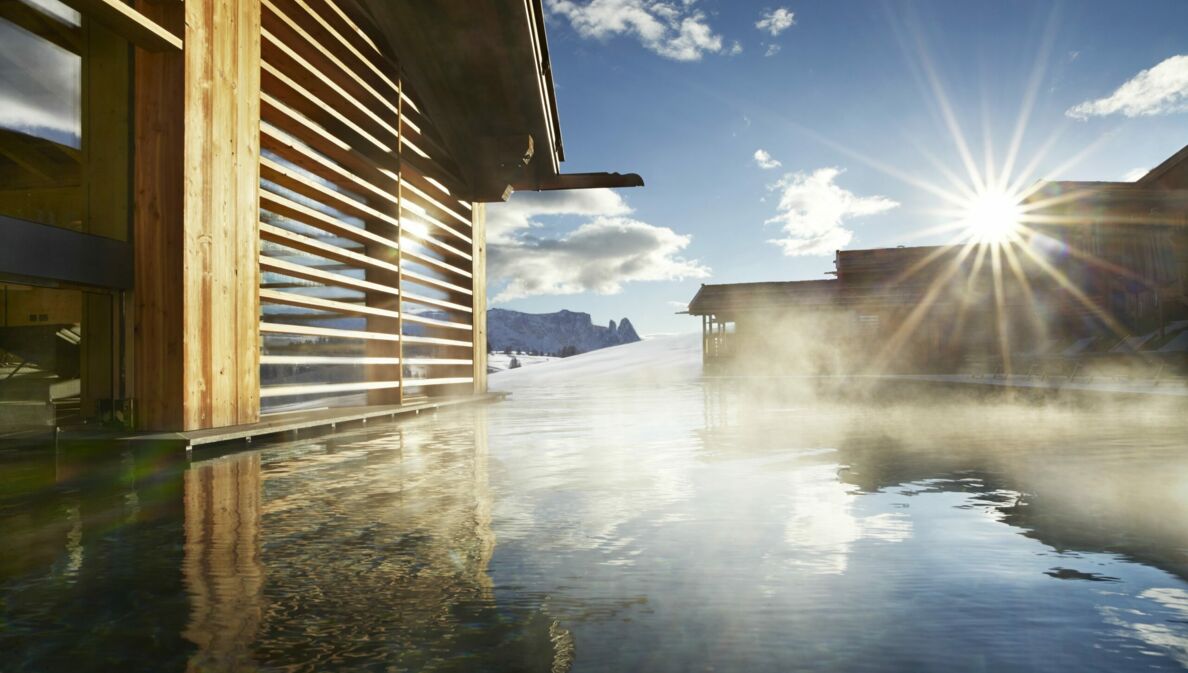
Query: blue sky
[[845, 103]]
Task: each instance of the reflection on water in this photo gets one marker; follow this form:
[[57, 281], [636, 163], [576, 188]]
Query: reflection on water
[[679, 526]]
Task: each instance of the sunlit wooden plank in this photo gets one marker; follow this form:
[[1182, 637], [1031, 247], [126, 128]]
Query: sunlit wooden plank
[[123, 19]]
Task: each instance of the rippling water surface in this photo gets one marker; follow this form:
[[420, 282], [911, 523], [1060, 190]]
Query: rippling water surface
[[671, 525]]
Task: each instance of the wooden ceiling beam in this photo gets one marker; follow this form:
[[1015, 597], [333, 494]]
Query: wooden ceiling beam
[[123, 19]]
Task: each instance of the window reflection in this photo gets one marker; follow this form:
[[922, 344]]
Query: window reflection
[[64, 119]]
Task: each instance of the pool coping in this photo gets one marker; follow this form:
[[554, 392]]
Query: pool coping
[[295, 421]]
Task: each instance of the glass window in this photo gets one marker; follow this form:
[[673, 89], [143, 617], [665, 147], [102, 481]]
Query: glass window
[[64, 119]]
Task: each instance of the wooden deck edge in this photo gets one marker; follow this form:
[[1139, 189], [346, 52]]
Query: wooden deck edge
[[301, 420]]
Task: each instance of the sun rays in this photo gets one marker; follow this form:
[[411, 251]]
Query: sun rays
[[993, 216]]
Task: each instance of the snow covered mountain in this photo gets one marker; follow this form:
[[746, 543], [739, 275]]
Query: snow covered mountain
[[563, 331]]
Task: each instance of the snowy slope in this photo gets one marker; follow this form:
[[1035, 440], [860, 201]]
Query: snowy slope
[[501, 361], [665, 358]]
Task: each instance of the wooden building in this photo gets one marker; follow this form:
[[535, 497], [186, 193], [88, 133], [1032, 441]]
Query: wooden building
[[887, 310], [1099, 265], [223, 208], [1124, 245]]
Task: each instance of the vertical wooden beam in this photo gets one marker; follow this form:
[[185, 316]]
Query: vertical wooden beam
[[158, 224], [222, 147], [479, 278], [197, 209], [381, 324], [106, 167]]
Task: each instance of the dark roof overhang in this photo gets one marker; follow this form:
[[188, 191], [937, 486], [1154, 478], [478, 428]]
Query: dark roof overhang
[[483, 71]]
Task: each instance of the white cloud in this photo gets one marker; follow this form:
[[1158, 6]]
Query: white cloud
[[1161, 90], [735, 49], [507, 221], [672, 29], [772, 50], [607, 250], [813, 212], [1134, 174], [765, 160], [776, 21]]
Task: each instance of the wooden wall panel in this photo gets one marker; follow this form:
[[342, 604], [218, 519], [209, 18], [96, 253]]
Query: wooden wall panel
[[222, 147], [197, 185], [158, 378]]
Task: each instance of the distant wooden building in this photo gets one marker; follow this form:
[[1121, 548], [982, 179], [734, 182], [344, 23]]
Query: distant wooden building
[[1124, 245], [891, 309], [1097, 262], [229, 207]]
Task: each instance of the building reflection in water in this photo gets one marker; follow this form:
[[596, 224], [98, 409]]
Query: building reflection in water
[[355, 550], [1092, 478], [89, 563], [222, 568]]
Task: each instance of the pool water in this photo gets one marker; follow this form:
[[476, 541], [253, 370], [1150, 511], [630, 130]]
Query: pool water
[[681, 525]]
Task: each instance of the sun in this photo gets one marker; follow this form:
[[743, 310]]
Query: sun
[[993, 217]]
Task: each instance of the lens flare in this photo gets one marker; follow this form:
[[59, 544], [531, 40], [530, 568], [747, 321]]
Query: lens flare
[[993, 218]]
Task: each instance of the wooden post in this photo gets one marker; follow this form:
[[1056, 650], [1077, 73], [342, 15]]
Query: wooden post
[[381, 300], [196, 213], [704, 339], [479, 278], [106, 59]]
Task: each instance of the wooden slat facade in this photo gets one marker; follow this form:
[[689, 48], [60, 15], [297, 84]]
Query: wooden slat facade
[[299, 234], [374, 254], [304, 224]]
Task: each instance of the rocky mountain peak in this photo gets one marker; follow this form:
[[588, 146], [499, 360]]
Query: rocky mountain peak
[[563, 330]]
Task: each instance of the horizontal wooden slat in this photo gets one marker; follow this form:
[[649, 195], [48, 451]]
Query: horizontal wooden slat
[[285, 89], [302, 30], [346, 27], [423, 199], [412, 157], [286, 207], [430, 261], [420, 234], [409, 206], [320, 25], [420, 383], [269, 232], [320, 304], [429, 280], [309, 273], [368, 164], [412, 317], [297, 153], [411, 173], [291, 179], [325, 388], [437, 361], [131, 24], [326, 360], [435, 341], [428, 301], [306, 330], [323, 85], [420, 131]]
